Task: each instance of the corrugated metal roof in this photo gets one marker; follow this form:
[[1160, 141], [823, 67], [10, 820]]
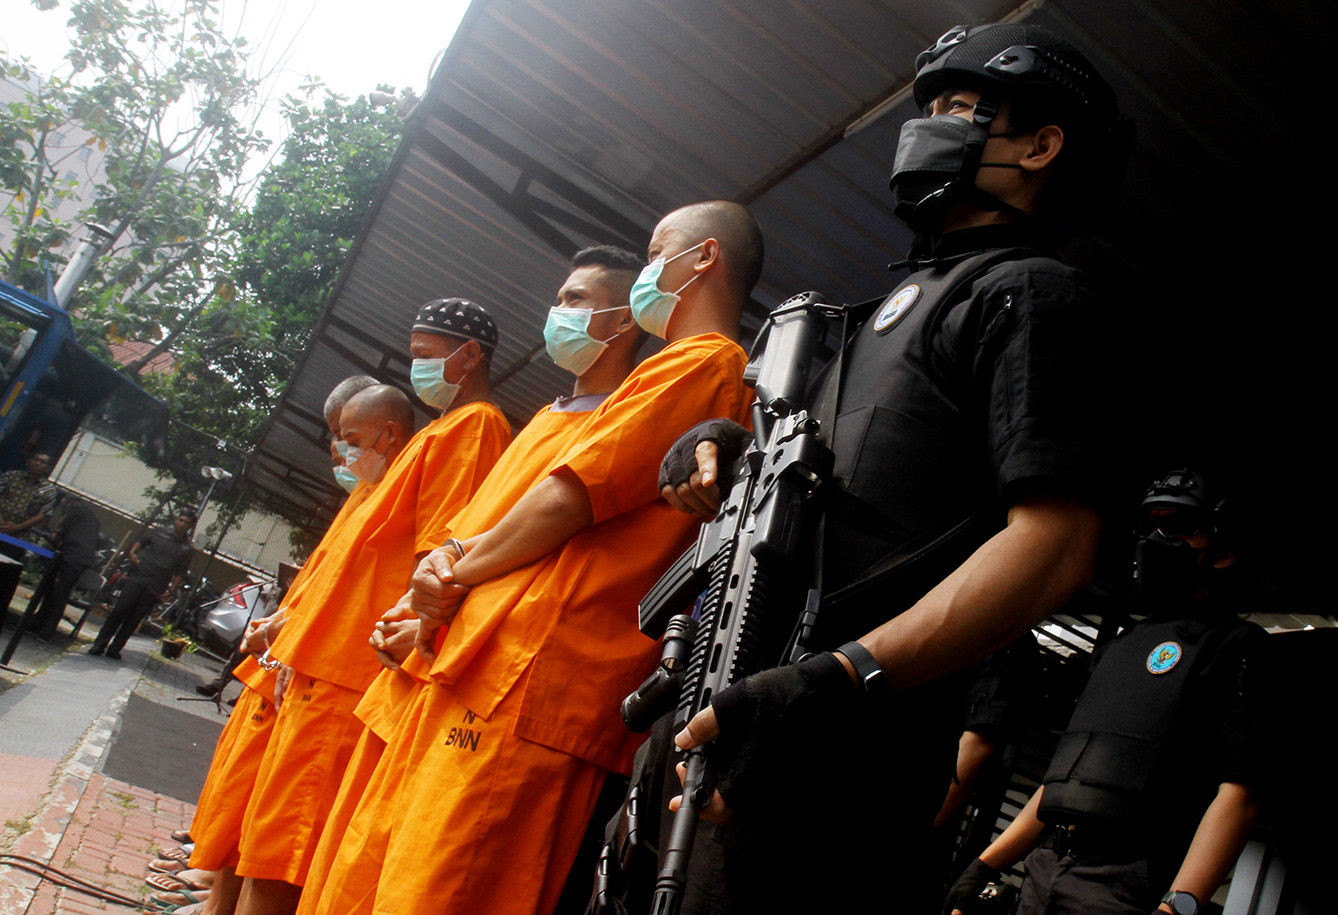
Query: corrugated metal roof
[[552, 124]]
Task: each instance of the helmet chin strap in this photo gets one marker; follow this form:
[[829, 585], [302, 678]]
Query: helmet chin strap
[[986, 109]]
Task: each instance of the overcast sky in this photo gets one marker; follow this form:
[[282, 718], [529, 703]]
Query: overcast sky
[[351, 45]]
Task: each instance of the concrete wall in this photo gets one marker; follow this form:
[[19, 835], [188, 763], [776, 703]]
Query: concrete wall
[[108, 475]]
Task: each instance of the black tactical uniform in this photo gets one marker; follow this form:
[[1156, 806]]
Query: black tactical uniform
[[962, 391], [1160, 725], [162, 557]]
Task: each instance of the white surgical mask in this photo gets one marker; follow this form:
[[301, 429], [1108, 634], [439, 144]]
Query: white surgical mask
[[567, 338], [429, 383], [367, 463], [346, 478], [652, 307]]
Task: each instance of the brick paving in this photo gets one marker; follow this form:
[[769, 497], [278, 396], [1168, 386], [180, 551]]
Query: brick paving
[[64, 810], [107, 839]]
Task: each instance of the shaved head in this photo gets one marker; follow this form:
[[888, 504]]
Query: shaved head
[[369, 412], [734, 227], [340, 394]]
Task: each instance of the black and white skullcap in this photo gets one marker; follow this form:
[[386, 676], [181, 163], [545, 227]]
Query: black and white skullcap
[[459, 318]]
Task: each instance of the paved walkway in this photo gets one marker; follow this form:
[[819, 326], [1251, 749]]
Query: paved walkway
[[56, 806]]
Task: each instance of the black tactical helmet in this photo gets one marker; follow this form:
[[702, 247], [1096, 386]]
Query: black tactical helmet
[[1021, 60], [1051, 79], [1185, 489]]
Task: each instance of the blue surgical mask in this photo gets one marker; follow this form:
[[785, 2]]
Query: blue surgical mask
[[567, 338], [341, 449], [426, 376], [346, 478], [651, 307]]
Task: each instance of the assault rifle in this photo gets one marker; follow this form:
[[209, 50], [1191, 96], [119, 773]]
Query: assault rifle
[[759, 605]]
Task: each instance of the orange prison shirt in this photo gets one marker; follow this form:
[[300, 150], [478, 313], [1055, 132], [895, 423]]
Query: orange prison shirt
[[544, 438], [543, 656], [569, 620], [365, 571]]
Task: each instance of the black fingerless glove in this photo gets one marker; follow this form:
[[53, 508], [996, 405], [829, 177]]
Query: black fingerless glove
[[965, 893], [766, 722], [680, 463]]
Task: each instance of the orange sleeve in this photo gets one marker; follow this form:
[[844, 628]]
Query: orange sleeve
[[448, 484], [292, 600], [581, 599], [516, 472], [617, 456]]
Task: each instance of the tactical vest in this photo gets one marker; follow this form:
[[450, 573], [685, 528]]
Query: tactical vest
[[908, 455], [1125, 756]]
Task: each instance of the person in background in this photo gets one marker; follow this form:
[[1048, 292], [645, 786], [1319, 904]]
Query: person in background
[[323, 636], [24, 505], [158, 562], [1148, 800], [77, 543], [216, 827]]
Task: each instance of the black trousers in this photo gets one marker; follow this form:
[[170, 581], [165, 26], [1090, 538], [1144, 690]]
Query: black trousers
[[9, 574], [138, 596], [52, 608], [1067, 885]]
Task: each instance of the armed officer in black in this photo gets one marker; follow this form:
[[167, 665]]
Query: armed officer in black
[[158, 562], [960, 435], [1147, 801]]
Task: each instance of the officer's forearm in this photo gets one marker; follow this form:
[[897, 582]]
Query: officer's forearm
[[1217, 842], [543, 519], [974, 751], [1017, 578], [1018, 839]]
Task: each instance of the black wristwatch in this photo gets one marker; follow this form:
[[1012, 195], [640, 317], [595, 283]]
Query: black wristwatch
[[870, 673], [1181, 902]]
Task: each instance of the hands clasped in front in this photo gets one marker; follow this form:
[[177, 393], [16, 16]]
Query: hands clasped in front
[[431, 602], [434, 596], [260, 634], [395, 634]]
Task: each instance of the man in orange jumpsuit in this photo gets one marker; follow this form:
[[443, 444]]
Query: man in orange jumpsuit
[[216, 827], [452, 344], [502, 755]]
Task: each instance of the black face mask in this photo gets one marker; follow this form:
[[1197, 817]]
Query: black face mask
[[931, 154], [1167, 569], [935, 166]]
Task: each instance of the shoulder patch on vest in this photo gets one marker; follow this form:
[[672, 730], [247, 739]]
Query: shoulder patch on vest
[[1164, 657], [895, 307]]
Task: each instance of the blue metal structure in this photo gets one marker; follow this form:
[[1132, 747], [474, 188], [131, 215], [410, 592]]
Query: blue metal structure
[[53, 330], [52, 386]]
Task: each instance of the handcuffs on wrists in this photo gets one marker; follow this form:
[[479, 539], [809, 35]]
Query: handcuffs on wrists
[[265, 661]]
